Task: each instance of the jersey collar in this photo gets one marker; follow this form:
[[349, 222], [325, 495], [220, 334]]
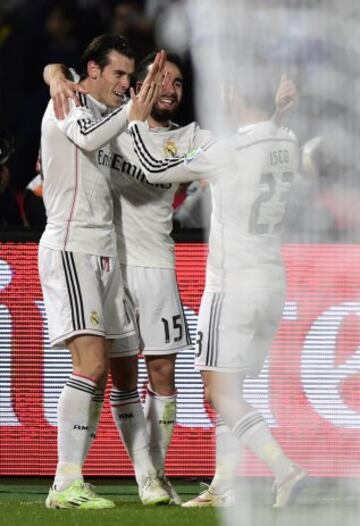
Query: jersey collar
[[249, 127], [170, 127]]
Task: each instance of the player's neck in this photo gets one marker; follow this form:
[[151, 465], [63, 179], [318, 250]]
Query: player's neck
[[153, 123], [89, 85], [248, 117]]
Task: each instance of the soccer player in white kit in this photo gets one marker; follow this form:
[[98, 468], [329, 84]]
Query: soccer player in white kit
[[78, 264], [250, 175], [143, 221]]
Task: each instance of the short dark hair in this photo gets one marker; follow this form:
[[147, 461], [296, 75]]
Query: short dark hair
[[142, 69], [98, 50]]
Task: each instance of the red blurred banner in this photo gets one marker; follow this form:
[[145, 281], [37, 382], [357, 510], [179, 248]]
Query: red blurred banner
[[308, 391]]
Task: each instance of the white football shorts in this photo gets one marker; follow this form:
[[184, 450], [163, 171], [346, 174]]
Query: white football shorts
[[235, 330], [83, 294], [155, 299]]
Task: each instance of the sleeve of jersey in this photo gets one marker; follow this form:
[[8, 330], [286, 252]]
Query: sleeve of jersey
[[201, 137], [90, 134], [197, 164]]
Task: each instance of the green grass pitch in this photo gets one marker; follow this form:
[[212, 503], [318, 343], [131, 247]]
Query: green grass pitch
[[22, 504], [322, 503]]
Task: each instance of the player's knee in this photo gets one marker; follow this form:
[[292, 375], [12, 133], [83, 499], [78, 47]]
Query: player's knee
[[164, 365], [124, 372], [96, 369], [162, 374], [100, 370], [165, 372]]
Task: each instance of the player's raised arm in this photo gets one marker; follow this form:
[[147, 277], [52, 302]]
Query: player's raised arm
[[285, 99]]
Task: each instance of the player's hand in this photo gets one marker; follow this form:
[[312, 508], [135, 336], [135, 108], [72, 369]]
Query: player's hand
[[155, 75], [61, 90], [286, 96], [142, 103], [156, 71]]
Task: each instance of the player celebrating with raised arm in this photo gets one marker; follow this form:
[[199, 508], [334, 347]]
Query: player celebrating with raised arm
[[78, 265], [250, 176], [143, 222]]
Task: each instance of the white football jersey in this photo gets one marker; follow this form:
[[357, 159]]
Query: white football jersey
[[75, 156], [250, 176], [143, 211]]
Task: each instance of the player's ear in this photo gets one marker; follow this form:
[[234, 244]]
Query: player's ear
[[138, 85], [93, 70]]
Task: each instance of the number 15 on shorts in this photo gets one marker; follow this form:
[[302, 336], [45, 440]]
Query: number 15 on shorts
[[173, 329]]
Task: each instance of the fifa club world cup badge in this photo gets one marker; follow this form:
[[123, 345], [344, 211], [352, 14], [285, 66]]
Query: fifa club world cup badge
[[170, 148]]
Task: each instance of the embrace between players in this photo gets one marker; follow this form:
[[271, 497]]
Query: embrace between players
[[106, 261]]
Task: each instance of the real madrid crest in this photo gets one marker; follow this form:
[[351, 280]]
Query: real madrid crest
[[95, 318], [170, 148]]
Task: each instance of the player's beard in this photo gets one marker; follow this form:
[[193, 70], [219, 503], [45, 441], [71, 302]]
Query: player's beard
[[162, 115]]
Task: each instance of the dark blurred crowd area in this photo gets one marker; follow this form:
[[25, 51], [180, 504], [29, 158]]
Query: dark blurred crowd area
[[34, 33], [314, 41]]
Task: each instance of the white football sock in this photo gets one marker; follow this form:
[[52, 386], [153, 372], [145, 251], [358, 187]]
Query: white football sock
[[129, 418], [95, 412], [73, 425], [228, 453], [253, 432], [160, 416]]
